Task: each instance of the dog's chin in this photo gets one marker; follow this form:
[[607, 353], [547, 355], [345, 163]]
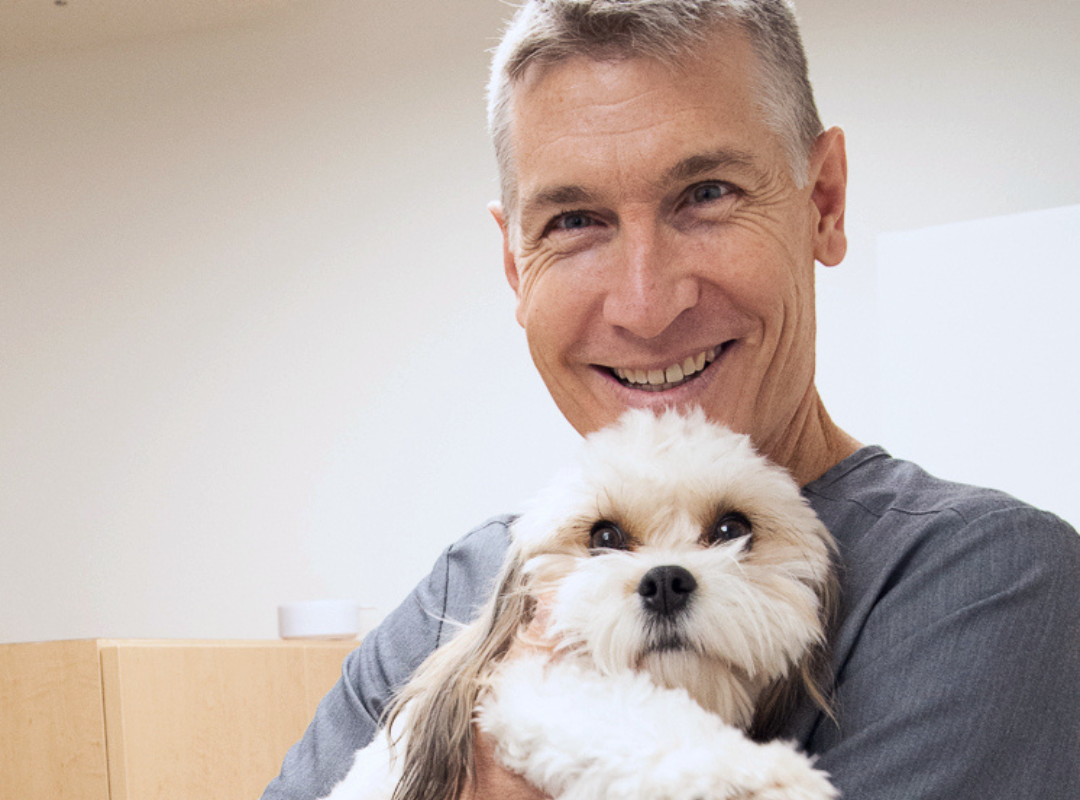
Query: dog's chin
[[671, 644], [716, 685], [666, 639]]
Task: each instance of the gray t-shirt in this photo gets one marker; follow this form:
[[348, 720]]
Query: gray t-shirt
[[956, 652]]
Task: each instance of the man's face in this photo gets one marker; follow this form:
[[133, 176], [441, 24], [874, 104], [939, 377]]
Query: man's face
[[660, 250]]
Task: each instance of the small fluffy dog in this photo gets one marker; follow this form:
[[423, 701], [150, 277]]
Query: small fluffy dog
[[683, 584]]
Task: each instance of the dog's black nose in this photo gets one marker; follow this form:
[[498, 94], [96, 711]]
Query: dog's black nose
[[666, 590]]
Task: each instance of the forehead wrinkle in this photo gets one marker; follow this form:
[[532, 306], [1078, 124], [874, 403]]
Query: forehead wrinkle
[[560, 195]]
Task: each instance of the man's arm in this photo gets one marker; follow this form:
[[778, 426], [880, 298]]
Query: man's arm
[[347, 717]]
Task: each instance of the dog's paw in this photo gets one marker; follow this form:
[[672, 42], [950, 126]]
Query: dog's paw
[[782, 773], [731, 767], [578, 736]]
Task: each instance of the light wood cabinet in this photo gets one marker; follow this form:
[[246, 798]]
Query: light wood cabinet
[[110, 719]]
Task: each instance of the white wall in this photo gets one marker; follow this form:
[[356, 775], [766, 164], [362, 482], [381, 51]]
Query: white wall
[[954, 111], [255, 344], [984, 385]]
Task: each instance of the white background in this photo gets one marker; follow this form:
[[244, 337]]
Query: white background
[[983, 384], [255, 343]]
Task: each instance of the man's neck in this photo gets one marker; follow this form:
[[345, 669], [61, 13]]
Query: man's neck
[[814, 444]]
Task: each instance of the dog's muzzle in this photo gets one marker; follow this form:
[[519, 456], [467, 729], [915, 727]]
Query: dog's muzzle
[[666, 590]]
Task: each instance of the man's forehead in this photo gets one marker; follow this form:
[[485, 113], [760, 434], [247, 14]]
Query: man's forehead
[[606, 100]]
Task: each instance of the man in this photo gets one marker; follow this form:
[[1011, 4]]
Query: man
[[666, 191]]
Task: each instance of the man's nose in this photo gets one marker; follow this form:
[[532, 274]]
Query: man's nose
[[648, 285]]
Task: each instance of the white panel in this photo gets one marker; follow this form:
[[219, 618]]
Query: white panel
[[980, 379]]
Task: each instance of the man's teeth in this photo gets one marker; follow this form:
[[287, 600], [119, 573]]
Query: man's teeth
[[666, 378]]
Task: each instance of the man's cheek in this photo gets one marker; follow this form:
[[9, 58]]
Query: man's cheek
[[534, 268]]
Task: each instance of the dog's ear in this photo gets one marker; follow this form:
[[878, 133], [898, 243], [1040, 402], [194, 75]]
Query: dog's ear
[[443, 694], [811, 679], [780, 700]]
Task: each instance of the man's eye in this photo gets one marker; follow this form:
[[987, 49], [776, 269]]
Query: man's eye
[[608, 536], [709, 192], [572, 222]]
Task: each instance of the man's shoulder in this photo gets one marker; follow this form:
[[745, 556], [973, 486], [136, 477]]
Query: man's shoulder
[[483, 548], [904, 533], [909, 540], [471, 566], [879, 484], [873, 490]]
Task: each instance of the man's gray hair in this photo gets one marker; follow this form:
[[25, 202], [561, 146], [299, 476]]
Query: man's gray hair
[[546, 32]]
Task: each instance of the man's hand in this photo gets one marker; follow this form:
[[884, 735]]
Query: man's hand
[[491, 780]]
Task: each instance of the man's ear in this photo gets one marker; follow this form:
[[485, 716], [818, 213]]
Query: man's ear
[[828, 170], [513, 277]]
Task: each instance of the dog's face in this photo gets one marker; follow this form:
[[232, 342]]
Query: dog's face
[[676, 549]]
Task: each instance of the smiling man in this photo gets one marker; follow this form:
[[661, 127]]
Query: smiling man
[[667, 192], [662, 247]]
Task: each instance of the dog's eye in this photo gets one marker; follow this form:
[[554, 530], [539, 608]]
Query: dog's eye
[[608, 536], [730, 527]]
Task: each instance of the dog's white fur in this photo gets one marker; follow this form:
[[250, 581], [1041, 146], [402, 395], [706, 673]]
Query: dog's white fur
[[631, 703]]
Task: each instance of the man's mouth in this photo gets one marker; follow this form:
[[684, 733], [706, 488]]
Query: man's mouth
[[659, 380]]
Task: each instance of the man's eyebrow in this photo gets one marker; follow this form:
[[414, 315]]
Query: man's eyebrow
[[567, 195], [694, 166]]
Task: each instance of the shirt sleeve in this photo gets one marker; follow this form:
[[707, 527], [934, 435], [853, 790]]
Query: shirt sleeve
[[962, 679], [347, 717]]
